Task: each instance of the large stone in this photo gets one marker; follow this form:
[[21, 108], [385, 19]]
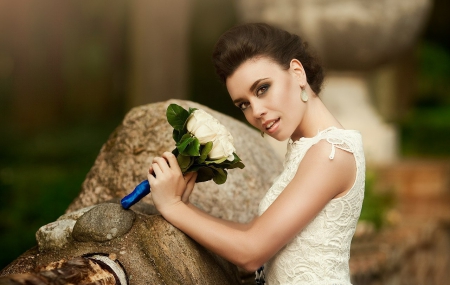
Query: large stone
[[104, 222], [57, 234], [124, 160], [152, 251]]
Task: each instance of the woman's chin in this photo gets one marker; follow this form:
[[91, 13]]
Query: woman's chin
[[279, 137]]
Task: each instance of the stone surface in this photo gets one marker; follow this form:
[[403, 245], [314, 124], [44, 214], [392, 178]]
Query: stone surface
[[151, 252], [348, 35], [55, 235], [75, 215], [102, 223], [144, 133], [58, 234]]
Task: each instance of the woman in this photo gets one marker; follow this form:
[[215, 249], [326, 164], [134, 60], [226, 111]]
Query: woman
[[308, 217]]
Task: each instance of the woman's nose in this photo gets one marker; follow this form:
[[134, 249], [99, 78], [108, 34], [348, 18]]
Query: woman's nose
[[258, 109]]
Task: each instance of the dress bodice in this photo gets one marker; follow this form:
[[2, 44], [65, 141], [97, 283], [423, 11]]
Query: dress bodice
[[319, 254]]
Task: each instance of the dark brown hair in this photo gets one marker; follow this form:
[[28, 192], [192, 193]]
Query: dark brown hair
[[251, 40]]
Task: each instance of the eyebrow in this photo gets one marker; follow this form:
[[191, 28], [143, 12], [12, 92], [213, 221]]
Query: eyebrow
[[252, 88]]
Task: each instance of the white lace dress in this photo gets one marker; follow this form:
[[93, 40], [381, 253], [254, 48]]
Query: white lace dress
[[320, 253]]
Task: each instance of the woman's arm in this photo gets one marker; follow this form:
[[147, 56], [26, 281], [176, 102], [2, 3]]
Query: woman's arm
[[317, 181], [231, 224]]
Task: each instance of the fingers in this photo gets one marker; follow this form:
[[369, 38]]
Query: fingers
[[166, 162], [157, 169], [150, 170], [164, 166], [172, 161], [161, 162], [151, 175], [186, 195], [190, 183], [190, 176]]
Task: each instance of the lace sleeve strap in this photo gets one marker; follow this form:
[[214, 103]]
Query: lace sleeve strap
[[339, 143]]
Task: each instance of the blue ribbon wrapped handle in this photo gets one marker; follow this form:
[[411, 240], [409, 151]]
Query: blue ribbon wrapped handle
[[138, 193]]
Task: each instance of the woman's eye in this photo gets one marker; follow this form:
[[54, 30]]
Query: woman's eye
[[243, 106], [262, 89]]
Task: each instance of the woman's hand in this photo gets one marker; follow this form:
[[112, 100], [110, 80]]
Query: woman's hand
[[190, 183], [169, 186]]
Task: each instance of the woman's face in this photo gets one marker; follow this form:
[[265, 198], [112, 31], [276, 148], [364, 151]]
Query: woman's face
[[269, 96]]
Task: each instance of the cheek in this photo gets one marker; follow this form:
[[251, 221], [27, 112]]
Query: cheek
[[249, 117], [292, 100]]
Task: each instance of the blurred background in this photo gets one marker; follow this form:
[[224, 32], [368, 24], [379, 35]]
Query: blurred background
[[70, 71]]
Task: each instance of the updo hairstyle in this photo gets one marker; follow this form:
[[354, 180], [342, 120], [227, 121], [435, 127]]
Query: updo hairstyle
[[247, 41]]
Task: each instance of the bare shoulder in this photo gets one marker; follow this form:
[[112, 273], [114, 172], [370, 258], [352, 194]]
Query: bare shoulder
[[323, 150], [330, 167]]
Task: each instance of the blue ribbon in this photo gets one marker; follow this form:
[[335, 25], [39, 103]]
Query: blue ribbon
[[138, 193]]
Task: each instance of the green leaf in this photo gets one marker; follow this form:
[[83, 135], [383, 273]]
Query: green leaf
[[184, 142], [184, 162], [193, 148], [188, 145], [176, 116], [194, 167], [236, 165], [204, 152], [177, 135], [191, 110], [220, 175], [204, 174]]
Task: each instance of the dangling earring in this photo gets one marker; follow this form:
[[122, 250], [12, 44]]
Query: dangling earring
[[262, 134], [304, 95]]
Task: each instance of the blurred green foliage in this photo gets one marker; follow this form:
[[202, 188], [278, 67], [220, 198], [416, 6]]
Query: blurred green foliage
[[39, 176], [425, 130], [376, 204], [433, 87]]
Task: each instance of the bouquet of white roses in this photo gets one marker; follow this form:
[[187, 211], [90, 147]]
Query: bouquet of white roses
[[203, 145]]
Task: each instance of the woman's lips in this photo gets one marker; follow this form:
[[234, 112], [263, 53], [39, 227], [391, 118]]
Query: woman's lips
[[272, 126]]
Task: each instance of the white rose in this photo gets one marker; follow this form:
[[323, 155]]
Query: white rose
[[206, 128], [222, 147], [203, 126]]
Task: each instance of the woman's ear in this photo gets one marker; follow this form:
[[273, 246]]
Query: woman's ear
[[298, 71]]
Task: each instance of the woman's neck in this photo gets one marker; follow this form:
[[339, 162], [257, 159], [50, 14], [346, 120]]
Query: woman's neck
[[316, 118]]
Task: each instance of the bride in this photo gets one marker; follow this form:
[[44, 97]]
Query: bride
[[308, 217]]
